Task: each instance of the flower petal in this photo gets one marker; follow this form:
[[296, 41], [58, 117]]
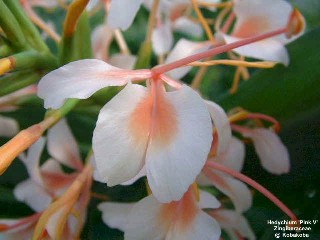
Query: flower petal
[[184, 48], [207, 200], [118, 156], [115, 215], [234, 189], [256, 17], [120, 16], [162, 39], [231, 220], [173, 164], [141, 174], [8, 127], [67, 154], [268, 49], [101, 39], [145, 222], [79, 79], [32, 161], [187, 26], [234, 155], [33, 195], [221, 124], [123, 61], [273, 154], [204, 227]]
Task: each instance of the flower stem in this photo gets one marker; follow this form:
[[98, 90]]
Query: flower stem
[[215, 51], [255, 185]]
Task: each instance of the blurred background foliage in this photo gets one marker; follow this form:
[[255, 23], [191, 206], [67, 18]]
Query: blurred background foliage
[[290, 94]]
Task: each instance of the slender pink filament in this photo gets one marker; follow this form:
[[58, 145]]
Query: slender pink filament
[[170, 81], [255, 185], [266, 118], [228, 22], [212, 52]]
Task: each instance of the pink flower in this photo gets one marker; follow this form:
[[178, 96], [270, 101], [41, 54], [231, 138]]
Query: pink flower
[[255, 17], [169, 133], [149, 219]]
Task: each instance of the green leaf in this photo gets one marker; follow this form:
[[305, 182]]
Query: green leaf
[[283, 92]]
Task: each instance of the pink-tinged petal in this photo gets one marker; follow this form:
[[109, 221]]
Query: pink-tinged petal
[[119, 149], [101, 39], [162, 39], [52, 166], [233, 222], [145, 221], [115, 215], [123, 61], [92, 4], [184, 48], [207, 200], [33, 195], [79, 79], [256, 17], [32, 161], [221, 124], [122, 13], [233, 156], [187, 26], [268, 49], [141, 174], [62, 146], [203, 227], [8, 127], [273, 154], [180, 145], [237, 191]]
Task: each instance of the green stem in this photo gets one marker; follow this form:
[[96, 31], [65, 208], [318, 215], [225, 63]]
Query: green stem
[[11, 27], [28, 28]]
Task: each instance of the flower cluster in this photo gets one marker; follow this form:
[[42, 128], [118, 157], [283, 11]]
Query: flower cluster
[[156, 126]]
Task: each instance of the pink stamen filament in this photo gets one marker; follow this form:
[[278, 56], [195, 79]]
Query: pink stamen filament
[[170, 81], [266, 118], [253, 184], [228, 22], [212, 52]]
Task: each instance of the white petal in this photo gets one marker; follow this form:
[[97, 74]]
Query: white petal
[[268, 49], [79, 79], [202, 180], [118, 157], [122, 13], [221, 124], [141, 174], [232, 220], [207, 200], [8, 127], [256, 17], [62, 146], [273, 154], [184, 48], [187, 26], [52, 166], [123, 61], [204, 227], [234, 155], [144, 221], [32, 161], [115, 215], [92, 4], [172, 167], [33, 195], [162, 39], [101, 39], [54, 221], [236, 190]]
